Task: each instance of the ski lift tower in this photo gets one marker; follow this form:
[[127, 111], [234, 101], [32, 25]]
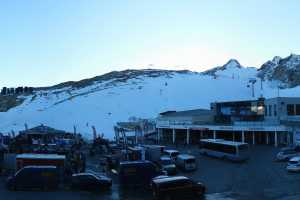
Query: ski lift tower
[[252, 81]]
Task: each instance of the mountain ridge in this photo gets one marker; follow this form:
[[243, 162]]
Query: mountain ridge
[[104, 100]]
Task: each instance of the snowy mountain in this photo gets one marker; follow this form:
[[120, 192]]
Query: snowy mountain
[[117, 96], [232, 69], [286, 70]]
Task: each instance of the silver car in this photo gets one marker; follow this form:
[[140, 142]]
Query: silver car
[[287, 154]]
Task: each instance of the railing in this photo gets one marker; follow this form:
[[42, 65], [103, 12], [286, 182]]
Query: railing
[[168, 123], [173, 122], [257, 123]]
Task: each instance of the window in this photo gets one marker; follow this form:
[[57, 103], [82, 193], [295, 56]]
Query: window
[[275, 110], [219, 147], [266, 110], [297, 109], [188, 161], [270, 110], [290, 109]]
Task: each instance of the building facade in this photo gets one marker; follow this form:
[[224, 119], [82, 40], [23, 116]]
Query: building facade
[[274, 121]]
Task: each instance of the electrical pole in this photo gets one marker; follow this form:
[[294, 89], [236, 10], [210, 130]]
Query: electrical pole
[[252, 81]]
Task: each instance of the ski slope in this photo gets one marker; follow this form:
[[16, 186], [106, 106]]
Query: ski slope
[[105, 103]]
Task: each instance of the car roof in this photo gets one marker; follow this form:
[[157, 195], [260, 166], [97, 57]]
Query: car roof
[[222, 141], [91, 174], [83, 174], [165, 158], [169, 179], [40, 166], [171, 151], [295, 159], [41, 156], [186, 156], [135, 162]]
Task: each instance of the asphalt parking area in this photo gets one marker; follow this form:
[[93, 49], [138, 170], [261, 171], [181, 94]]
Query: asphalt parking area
[[258, 178]]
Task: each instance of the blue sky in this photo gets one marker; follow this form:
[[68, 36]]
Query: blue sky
[[44, 42]]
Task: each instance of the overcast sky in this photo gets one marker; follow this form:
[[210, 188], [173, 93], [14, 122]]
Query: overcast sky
[[44, 42]]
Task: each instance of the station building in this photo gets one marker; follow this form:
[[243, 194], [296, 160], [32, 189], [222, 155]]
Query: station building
[[274, 121]]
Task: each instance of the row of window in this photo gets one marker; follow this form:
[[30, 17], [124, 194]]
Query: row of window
[[293, 109], [218, 147], [271, 110]]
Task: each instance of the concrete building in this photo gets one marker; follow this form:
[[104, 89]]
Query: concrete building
[[274, 121]]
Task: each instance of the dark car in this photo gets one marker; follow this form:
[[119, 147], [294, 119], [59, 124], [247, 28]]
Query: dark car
[[90, 181], [167, 164], [34, 177], [138, 172], [176, 187], [287, 153]]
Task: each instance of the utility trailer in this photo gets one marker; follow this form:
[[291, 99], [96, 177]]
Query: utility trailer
[[153, 152]]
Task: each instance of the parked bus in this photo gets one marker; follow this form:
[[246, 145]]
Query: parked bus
[[235, 151]]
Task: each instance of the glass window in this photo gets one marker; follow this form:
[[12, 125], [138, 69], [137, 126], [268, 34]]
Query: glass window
[[290, 109], [270, 110], [275, 110], [188, 161], [297, 109], [266, 110]]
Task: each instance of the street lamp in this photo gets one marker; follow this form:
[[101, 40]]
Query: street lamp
[[252, 81]]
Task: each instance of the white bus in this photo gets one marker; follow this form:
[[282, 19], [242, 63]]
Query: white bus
[[235, 151]]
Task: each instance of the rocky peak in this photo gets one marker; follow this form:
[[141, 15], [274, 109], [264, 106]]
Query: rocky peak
[[286, 70], [232, 63], [276, 59], [291, 61]]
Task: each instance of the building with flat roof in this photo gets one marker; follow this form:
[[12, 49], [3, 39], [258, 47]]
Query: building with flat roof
[[273, 121]]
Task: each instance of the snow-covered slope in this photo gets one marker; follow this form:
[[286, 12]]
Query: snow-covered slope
[[118, 96]]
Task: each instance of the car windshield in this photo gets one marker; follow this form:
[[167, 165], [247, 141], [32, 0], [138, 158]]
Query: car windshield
[[166, 161], [189, 161], [289, 152], [293, 162], [174, 154]]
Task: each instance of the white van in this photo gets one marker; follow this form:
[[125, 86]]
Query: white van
[[186, 162], [294, 164]]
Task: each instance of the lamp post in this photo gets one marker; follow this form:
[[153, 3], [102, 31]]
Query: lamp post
[[252, 81]]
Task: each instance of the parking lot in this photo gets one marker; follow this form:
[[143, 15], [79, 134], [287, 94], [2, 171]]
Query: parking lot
[[259, 178]]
